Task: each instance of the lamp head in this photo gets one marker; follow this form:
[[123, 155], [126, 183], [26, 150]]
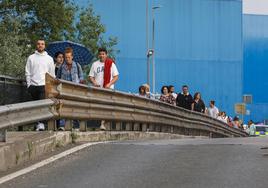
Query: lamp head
[[150, 52]]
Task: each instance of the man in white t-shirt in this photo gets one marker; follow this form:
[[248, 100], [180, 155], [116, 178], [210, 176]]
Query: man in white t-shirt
[[100, 71], [213, 111], [103, 73]]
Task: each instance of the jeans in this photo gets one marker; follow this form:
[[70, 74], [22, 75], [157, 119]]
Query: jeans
[[61, 123]]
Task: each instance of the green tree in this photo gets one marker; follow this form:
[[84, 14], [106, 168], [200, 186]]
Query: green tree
[[51, 20], [22, 22], [12, 53], [90, 32]]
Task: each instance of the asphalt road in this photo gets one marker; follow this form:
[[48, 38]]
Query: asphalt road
[[207, 163]]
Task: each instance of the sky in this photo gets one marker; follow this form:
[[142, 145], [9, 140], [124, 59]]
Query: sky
[[255, 7]]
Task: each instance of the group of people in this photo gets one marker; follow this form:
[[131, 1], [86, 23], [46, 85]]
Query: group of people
[[103, 73], [185, 100]]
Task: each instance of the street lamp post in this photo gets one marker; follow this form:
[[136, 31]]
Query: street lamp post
[[147, 42], [153, 46]]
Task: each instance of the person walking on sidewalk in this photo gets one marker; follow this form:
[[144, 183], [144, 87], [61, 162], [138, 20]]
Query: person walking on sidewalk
[[38, 64], [103, 73]]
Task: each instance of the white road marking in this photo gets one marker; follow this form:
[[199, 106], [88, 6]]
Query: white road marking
[[46, 161]]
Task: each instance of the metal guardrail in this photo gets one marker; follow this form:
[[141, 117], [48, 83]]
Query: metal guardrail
[[9, 79], [14, 115], [81, 102], [27, 112], [126, 111], [13, 90]]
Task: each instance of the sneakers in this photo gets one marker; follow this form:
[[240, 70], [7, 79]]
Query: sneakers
[[102, 127], [61, 129], [75, 129], [40, 127]]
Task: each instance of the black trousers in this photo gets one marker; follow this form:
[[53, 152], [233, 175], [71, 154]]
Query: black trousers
[[37, 92]]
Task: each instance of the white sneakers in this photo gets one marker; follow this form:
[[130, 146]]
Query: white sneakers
[[75, 129], [40, 127], [102, 127], [61, 129]]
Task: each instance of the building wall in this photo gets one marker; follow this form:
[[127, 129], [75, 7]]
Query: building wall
[[255, 34], [197, 42]]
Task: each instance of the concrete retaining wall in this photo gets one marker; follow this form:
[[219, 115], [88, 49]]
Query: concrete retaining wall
[[24, 146]]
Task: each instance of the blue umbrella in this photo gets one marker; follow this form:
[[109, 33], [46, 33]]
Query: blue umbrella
[[81, 54]]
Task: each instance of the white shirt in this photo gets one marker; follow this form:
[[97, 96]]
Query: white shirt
[[174, 95], [213, 112], [97, 72], [223, 119], [38, 64]]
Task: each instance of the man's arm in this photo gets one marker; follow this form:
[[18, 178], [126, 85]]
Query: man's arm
[[192, 106], [203, 107], [28, 72], [59, 72], [115, 74], [91, 76], [178, 100], [93, 81], [52, 69], [217, 112], [81, 74], [115, 78]]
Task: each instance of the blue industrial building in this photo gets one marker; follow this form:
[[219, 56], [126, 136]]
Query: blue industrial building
[[255, 34], [197, 42]]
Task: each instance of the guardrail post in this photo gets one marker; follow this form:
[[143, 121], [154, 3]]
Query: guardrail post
[[151, 127], [136, 127], [128, 127], [166, 129], [3, 135], [197, 132], [118, 126], [171, 129], [162, 128], [210, 135], [108, 125], [144, 127], [68, 125], [157, 128], [83, 126], [51, 125]]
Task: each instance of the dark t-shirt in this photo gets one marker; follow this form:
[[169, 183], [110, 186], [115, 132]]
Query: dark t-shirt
[[184, 101], [199, 106]]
